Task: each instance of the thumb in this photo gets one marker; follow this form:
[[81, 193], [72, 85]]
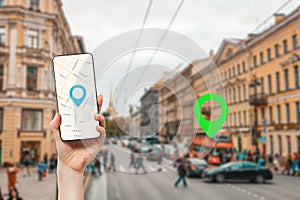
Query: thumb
[[54, 125]]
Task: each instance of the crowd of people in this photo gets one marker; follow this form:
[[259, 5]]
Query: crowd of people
[[288, 165], [43, 167]]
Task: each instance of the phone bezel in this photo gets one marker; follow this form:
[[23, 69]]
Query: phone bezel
[[57, 107]]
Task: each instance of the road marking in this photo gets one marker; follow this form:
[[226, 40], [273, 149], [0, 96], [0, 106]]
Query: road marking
[[245, 191], [122, 168]]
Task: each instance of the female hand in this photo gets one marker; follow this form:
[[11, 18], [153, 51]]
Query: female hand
[[76, 155]]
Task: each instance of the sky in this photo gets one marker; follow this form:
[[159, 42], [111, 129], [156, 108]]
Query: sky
[[206, 22]]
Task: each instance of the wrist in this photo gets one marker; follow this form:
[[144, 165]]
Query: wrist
[[66, 170], [70, 182]]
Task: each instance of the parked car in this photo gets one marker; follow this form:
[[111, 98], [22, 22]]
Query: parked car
[[239, 171], [195, 167], [154, 153]]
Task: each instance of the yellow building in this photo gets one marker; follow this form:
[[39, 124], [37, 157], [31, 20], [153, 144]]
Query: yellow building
[[266, 64], [31, 33]]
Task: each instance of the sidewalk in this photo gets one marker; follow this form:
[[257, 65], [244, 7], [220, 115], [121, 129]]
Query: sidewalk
[[30, 187]]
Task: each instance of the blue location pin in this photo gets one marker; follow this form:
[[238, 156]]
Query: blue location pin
[[80, 100]]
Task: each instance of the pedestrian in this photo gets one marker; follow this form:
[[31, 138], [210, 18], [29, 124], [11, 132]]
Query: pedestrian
[[105, 157], [14, 194], [287, 165], [295, 164], [93, 167], [140, 164], [261, 161], [98, 164], [1, 197], [276, 163], [26, 163], [46, 158], [42, 170], [181, 173], [159, 160], [132, 160], [52, 165], [249, 156], [11, 172], [242, 156], [112, 166]]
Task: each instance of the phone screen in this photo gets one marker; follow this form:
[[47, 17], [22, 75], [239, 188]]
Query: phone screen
[[76, 96]]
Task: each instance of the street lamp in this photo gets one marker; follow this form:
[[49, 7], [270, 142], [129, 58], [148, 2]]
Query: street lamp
[[253, 84]]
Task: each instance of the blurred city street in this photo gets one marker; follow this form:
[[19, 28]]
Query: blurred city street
[[115, 185], [150, 63], [30, 187]]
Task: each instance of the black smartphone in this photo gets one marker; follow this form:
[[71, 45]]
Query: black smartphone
[[76, 95]]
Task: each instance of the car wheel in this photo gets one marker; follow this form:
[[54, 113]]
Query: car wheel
[[220, 178], [259, 178]]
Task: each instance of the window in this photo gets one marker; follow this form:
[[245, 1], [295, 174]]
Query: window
[[238, 69], [233, 72], [286, 79], [239, 118], [234, 95], [229, 53], [244, 92], [261, 58], [1, 76], [33, 38], [285, 46], [2, 35], [229, 73], [31, 79], [280, 144], [254, 61], [269, 55], [34, 4], [276, 50], [225, 75], [1, 119], [269, 84], [278, 114], [287, 113], [234, 119], [296, 76], [239, 93], [297, 110], [271, 145], [271, 114], [2, 3], [32, 120], [244, 67], [295, 42], [277, 82], [262, 84], [262, 112], [245, 117]]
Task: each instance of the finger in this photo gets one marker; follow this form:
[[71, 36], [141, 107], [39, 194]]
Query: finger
[[101, 120], [100, 101], [54, 125], [102, 132]]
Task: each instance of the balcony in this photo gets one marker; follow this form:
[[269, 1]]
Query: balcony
[[259, 99]]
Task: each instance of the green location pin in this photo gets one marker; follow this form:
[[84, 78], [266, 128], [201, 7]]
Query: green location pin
[[211, 128]]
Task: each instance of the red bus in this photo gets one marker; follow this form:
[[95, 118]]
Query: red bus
[[202, 144]]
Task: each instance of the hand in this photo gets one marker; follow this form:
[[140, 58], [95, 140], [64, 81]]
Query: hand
[[76, 155]]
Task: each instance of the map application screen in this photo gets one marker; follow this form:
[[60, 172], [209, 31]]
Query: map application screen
[[76, 96]]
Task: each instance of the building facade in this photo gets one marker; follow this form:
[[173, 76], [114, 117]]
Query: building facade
[[149, 112], [261, 77], [31, 33]]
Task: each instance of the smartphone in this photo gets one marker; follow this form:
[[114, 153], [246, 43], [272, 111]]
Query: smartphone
[[76, 95]]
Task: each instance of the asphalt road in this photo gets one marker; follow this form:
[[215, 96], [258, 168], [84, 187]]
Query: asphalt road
[[160, 185]]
